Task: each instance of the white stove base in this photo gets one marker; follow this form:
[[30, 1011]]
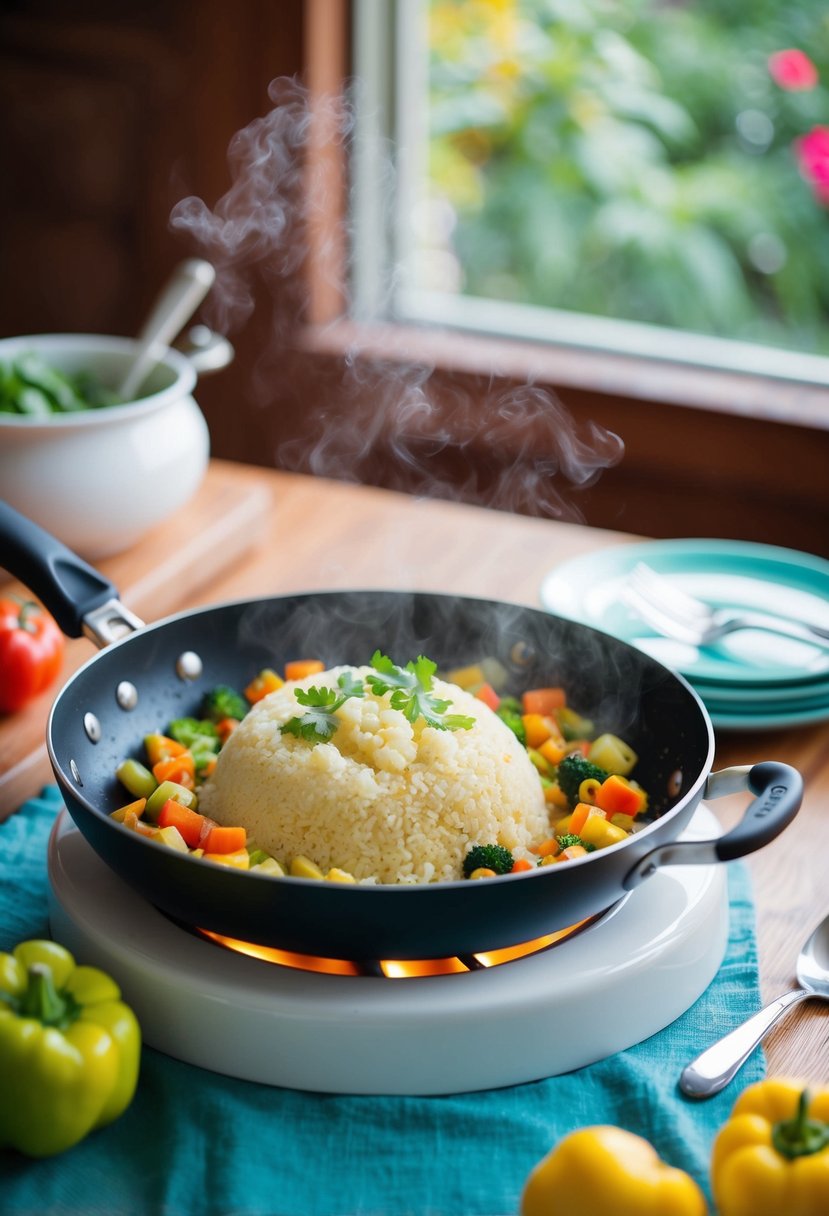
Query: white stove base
[[607, 988]]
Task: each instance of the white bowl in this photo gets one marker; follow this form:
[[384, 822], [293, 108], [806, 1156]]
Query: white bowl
[[100, 478]]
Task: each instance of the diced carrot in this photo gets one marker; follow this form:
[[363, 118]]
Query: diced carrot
[[538, 729], [544, 701], [210, 766], [548, 848], [556, 797], [617, 796], [266, 682], [132, 808], [488, 695], [572, 852], [226, 727], [553, 750], [188, 822], [222, 839], [135, 824], [582, 746], [161, 747], [181, 769], [298, 669], [579, 817], [521, 864]]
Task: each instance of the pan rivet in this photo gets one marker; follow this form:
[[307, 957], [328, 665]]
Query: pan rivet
[[521, 654], [189, 665], [73, 768], [675, 784], [126, 695], [92, 727]]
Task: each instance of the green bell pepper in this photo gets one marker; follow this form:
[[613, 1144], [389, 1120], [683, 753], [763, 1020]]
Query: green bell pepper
[[69, 1050]]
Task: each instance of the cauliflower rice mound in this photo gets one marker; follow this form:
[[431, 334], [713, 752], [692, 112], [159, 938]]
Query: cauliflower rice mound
[[387, 800]]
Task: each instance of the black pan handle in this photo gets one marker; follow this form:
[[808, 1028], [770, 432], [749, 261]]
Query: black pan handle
[[68, 587], [778, 790]]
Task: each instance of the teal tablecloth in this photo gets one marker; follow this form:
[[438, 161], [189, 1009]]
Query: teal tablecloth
[[196, 1142]]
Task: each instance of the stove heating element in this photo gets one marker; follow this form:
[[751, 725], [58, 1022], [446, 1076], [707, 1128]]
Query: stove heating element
[[475, 1026]]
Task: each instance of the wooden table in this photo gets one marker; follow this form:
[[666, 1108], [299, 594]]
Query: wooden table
[[253, 532]]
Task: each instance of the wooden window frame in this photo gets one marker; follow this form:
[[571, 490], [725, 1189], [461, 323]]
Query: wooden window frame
[[708, 452]]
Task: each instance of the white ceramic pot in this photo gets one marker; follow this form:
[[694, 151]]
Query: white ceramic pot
[[99, 479]]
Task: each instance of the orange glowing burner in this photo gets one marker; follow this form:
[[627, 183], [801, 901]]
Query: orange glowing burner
[[325, 1025], [394, 968]]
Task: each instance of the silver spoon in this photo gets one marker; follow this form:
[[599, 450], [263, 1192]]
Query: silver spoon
[[179, 299], [711, 1071]]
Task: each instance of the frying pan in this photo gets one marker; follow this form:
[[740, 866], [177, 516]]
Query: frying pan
[[144, 676]]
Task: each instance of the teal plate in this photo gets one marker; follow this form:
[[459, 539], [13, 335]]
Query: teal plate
[[723, 720], [724, 573], [764, 698]]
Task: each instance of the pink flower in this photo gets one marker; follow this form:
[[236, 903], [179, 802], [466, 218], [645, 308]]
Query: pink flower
[[793, 70], [812, 152]]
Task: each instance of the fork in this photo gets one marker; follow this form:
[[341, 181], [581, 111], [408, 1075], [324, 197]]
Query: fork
[[675, 614]]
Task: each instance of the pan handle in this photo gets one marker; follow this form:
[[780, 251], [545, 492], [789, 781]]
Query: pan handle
[[69, 588], [778, 790]]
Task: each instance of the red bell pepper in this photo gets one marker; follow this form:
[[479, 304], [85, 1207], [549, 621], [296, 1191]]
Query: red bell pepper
[[31, 652]]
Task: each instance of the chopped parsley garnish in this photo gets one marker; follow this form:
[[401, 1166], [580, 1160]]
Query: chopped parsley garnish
[[411, 692], [318, 723]]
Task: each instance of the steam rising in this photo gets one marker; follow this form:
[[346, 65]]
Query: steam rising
[[510, 448]]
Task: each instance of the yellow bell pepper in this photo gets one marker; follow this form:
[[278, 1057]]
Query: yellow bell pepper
[[608, 1170], [69, 1050], [772, 1157]]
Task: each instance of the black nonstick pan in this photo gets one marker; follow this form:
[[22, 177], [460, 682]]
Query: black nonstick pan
[[151, 674]]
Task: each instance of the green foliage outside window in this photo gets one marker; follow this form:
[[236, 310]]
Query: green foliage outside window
[[631, 159]]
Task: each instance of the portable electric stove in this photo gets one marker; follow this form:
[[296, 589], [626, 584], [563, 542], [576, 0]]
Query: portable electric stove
[[322, 1025]]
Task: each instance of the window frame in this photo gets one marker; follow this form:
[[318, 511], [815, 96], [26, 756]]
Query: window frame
[[708, 452], [571, 351]]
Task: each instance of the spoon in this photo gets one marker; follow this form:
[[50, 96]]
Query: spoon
[[179, 299], [711, 1071]]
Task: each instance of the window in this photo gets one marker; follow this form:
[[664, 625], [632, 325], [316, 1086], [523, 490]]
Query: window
[[599, 176]]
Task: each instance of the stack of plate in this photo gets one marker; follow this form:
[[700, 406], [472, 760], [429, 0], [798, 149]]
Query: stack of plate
[[750, 679]]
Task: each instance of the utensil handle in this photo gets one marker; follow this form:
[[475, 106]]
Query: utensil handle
[[714, 1068], [801, 630], [182, 295], [779, 792], [64, 582]]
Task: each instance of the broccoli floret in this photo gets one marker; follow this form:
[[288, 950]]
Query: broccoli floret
[[574, 769], [490, 857], [200, 737], [223, 702], [189, 730], [512, 718], [570, 838]]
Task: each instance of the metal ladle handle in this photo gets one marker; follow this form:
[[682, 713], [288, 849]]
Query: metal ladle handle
[[714, 1068], [179, 299]]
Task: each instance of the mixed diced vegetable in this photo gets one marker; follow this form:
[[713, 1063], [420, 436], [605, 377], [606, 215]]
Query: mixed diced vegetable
[[585, 775]]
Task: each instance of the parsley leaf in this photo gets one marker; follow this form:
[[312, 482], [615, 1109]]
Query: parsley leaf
[[319, 722], [411, 692]]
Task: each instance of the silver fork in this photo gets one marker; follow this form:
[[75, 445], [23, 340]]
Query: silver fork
[[672, 612]]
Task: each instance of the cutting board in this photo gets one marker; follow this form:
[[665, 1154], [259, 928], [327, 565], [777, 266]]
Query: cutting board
[[160, 575]]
